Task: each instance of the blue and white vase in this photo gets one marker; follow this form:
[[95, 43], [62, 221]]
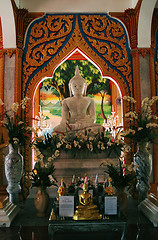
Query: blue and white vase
[[143, 168], [13, 172]]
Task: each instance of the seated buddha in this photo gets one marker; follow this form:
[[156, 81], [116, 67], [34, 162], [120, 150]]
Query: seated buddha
[[87, 210], [78, 110]]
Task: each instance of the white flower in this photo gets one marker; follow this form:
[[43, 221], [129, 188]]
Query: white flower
[[132, 115], [16, 140], [132, 131], [99, 146], [24, 101], [56, 154], [88, 146], [140, 128], [109, 144], [15, 107], [4, 122], [1, 102], [126, 132], [129, 99], [68, 146], [91, 139], [155, 98], [150, 125], [102, 147], [58, 145], [41, 156], [145, 101], [75, 143], [91, 147], [21, 122], [51, 178], [49, 159]]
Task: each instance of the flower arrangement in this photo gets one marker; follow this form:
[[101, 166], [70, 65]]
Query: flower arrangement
[[46, 147], [83, 180], [18, 130], [78, 143], [42, 175], [121, 175], [143, 123]]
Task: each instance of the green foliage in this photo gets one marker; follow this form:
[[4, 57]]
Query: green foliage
[[46, 144], [18, 129], [43, 176], [76, 143], [120, 175], [143, 123], [66, 71]]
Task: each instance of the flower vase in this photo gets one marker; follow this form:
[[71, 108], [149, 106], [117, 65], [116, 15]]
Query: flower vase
[[143, 166], [122, 199], [13, 172], [41, 201]]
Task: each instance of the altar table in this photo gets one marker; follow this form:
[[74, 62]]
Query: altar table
[[113, 224]]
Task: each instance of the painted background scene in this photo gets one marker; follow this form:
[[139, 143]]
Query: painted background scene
[[54, 90]]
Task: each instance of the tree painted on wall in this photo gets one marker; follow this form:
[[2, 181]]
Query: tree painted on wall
[[58, 84]]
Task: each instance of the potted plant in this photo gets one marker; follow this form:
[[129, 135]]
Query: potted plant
[[42, 177], [142, 131], [121, 177], [19, 132]]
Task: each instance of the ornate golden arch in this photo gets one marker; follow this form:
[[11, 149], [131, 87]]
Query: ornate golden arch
[[52, 38]]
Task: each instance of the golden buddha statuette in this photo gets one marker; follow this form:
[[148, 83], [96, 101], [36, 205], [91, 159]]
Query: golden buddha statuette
[[87, 210]]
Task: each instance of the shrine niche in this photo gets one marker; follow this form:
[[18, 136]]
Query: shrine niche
[[52, 38]]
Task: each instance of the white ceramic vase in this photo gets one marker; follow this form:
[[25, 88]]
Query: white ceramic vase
[[13, 172]]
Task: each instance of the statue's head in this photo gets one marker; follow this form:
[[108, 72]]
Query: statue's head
[[85, 187], [77, 84]]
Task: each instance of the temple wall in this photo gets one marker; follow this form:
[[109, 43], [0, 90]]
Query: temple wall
[[144, 76], [9, 80], [67, 166], [76, 6]]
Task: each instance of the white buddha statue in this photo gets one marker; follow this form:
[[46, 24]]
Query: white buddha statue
[[78, 110]]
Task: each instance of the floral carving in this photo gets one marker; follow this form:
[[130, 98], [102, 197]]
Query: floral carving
[[53, 37], [107, 37], [44, 40]]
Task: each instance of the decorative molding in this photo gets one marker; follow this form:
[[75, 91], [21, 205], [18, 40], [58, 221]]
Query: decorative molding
[[52, 38], [143, 51], [130, 19], [154, 27], [22, 19], [9, 52]]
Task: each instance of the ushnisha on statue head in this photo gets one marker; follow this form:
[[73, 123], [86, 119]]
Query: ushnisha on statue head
[[79, 81]]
